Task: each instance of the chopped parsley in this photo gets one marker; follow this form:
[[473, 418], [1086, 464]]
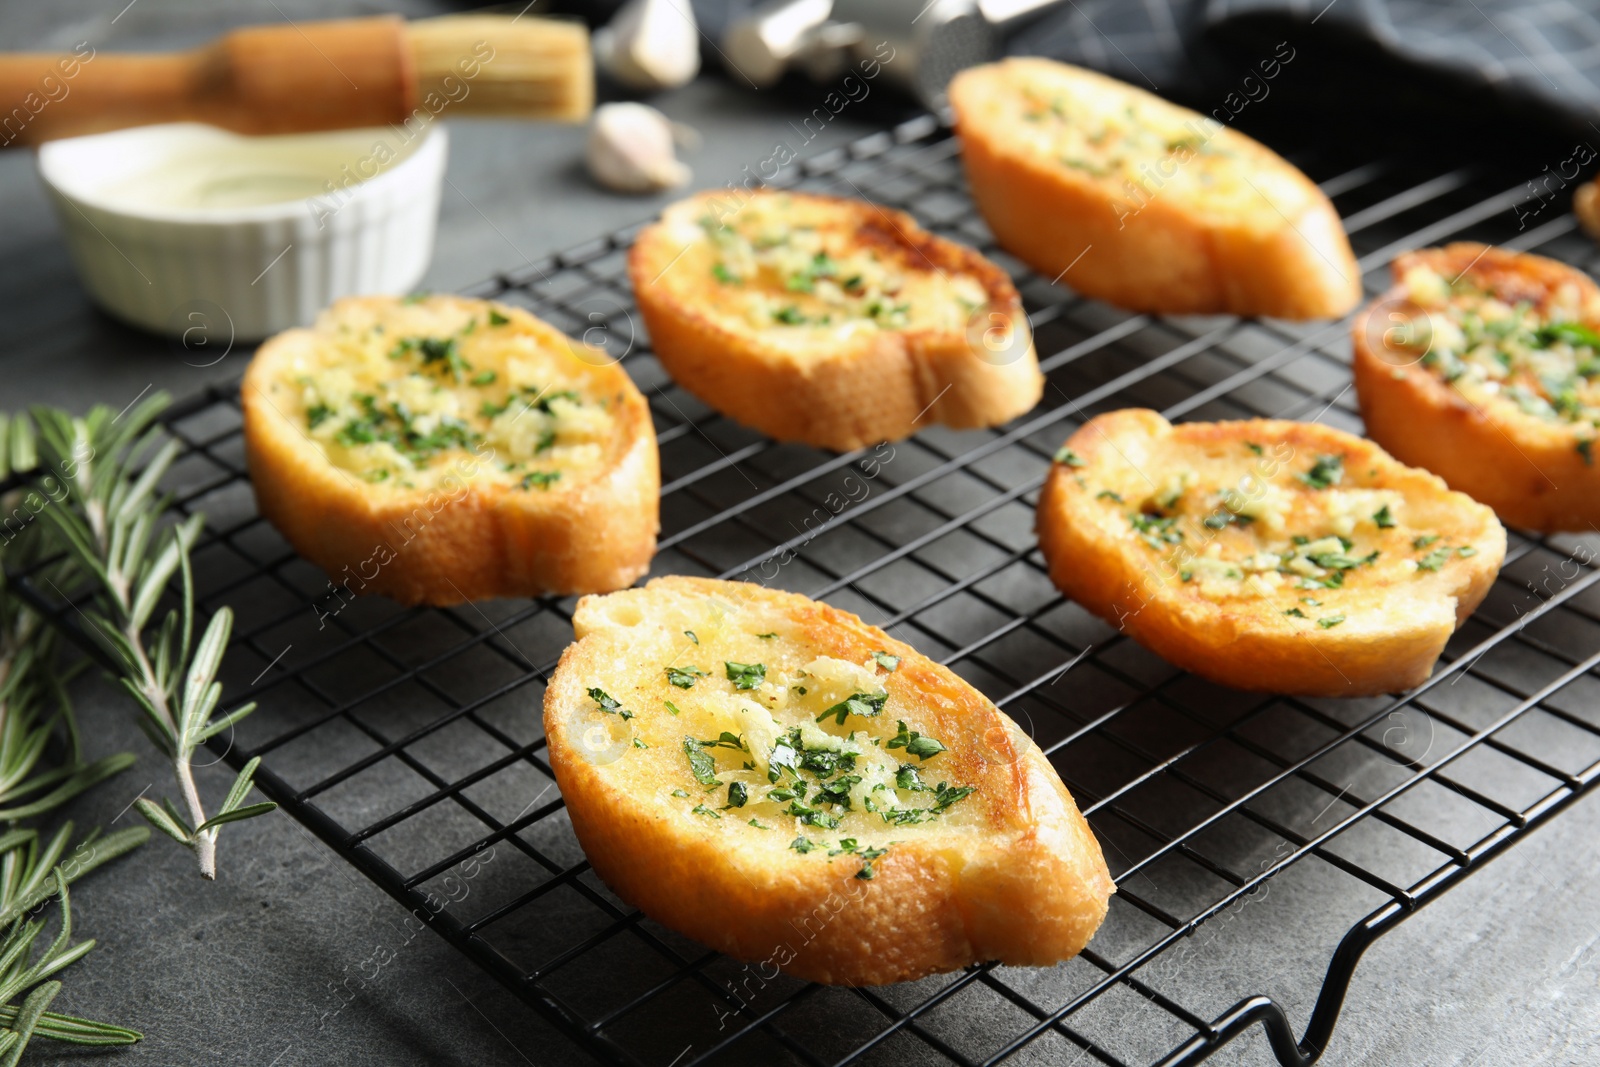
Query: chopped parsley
[[801, 845], [691, 636], [1341, 561], [441, 350], [497, 319], [737, 794], [1326, 471], [886, 661], [701, 809], [915, 744], [1424, 541], [608, 703], [1252, 446], [1106, 494], [1435, 559], [1382, 518], [684, 677], [1222, 518], [766, 637], [1466, 550], [485, 377], [1296, 612], [1328, 622], [317, 414], [724, 275], [671, 707], [542, 479], [745, 675], [1070, 458], [701, 765], [867, 705], [789, 316], [1586, 450]]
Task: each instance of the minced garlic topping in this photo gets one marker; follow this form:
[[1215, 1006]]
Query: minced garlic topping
[[1137, 146], [1300, 531], [433, 393], [800, 266], [1520, 349]]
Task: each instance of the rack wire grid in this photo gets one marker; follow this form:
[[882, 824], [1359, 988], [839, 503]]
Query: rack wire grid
[[410, 740]]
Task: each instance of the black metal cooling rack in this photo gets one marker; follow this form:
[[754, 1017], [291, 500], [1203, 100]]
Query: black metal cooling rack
[[409, 739]]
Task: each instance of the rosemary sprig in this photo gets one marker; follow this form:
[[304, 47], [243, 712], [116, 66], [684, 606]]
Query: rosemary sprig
[[20, 973], [108, 516], [34, 713]]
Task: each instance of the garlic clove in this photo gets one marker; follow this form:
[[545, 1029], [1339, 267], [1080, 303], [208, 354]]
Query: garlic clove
[[630, 150], [650, 45]]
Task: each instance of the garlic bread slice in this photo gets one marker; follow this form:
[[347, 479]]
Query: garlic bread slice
[[1133, 200], [1286, 557], [829, 321], [1483, 365], [446, 449], [785, 783]]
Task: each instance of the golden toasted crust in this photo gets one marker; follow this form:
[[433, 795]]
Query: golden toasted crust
[[1530, 470], [828, 389], [1586, 205], [1378, 631], [463, 540], [1146, 242], [1012, 873]]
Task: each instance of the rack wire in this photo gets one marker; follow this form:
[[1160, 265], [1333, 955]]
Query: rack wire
[[409, 740]]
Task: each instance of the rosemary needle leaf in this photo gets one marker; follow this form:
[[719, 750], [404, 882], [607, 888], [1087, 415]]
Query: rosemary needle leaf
[[73, 1030], [93, 774], [163, 822], [241, 784], [216, 726], [248, 812], [28, 1018], [21, 444]]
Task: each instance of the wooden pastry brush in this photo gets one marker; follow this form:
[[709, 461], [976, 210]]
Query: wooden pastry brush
[[309, 76]]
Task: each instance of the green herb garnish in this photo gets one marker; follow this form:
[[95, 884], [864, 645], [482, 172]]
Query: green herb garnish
[[684, 677], [701, 765], [745, 675], [1069, 457], [915, 744], [867, 705], [1326, 471]]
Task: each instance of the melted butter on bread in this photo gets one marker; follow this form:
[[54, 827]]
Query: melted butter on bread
[[804, 266], [400, 402]]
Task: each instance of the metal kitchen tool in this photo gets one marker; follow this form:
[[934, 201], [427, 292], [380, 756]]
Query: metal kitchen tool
[[930, 40]]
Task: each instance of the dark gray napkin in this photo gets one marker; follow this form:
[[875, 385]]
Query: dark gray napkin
[[1534, 61]]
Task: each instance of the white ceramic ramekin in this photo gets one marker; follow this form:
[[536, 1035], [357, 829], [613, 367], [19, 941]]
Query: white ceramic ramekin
[[147, 218]]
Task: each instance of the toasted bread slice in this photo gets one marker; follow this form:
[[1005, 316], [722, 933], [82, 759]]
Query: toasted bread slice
[[1169, 211], [1483, 366], [785, 783], [1286, 557], [447, 449], [832, 322], [1586, 206]]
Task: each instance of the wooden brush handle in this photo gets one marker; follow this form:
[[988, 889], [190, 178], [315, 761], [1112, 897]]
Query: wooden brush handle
[[269, 79]]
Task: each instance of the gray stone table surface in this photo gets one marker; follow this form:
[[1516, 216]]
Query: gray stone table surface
[[245, 971]]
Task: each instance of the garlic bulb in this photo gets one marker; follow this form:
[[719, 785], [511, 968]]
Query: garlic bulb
[[650, 45], [630, 150]]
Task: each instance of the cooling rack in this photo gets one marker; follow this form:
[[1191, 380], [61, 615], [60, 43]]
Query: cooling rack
[[409, 739]]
